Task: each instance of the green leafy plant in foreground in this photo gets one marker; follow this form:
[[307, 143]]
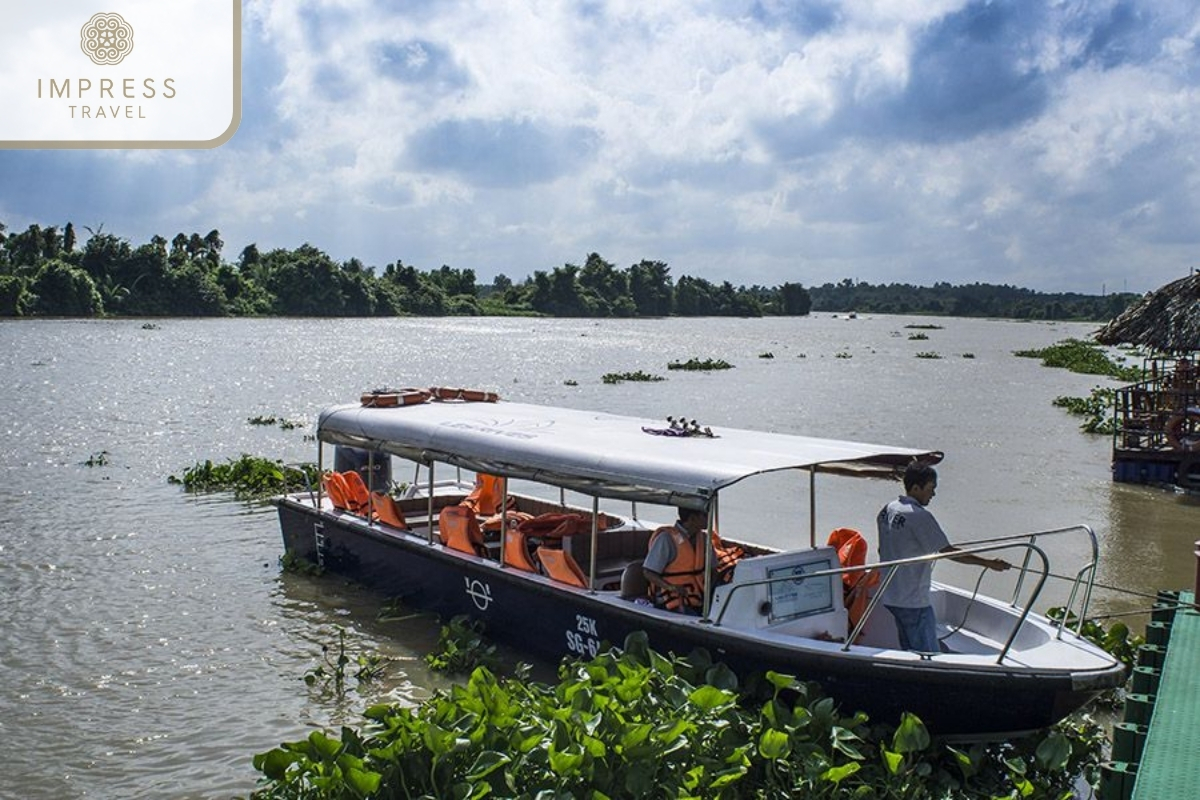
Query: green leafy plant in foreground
[[247, 477], [634, 723]]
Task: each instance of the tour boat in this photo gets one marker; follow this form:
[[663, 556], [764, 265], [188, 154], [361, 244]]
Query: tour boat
[[558, 572]]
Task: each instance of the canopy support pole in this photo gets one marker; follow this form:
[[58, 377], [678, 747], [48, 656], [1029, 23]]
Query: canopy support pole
[[595, 544], [812, 507], [431, 502], [710, 526]]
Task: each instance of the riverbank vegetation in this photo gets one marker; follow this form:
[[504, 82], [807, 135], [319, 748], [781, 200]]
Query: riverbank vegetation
[[634, 723], [47, 271]]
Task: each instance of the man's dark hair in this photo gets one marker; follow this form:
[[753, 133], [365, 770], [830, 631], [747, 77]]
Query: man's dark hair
[[918, 474], [684, 513]]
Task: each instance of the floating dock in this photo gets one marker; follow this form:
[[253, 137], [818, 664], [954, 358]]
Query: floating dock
[[1154, 751]]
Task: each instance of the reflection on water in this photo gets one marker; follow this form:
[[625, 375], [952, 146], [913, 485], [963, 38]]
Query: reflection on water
[[152, 645]]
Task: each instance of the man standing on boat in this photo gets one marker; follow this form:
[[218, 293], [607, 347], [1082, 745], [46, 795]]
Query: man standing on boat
[[674, 563], [908, 530]]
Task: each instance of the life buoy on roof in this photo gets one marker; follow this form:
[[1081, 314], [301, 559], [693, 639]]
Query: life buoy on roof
[[1178, 435], [463, 395], [389, 398]]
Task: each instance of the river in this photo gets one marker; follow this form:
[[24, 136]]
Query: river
[[151, 642]]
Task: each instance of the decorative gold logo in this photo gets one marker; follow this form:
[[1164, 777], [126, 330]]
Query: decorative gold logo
[[106, 38]]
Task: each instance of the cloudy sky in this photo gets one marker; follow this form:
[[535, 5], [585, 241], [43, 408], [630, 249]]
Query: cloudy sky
[[1051, 144]]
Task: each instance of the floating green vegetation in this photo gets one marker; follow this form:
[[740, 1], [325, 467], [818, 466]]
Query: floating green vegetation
[[99, 459], [462, 647], [643, 377], [918, 337], [1083, 357], [928, 354], [247, 477], [570, 382], [297, 565], [843, 354], [149, 326], [968, 355], [329, 677], [700, 365], [923, 327], [634, 723], [284, 424], [1097, 408], [767, 354]]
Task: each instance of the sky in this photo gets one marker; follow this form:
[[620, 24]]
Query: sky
[[1049, 144]]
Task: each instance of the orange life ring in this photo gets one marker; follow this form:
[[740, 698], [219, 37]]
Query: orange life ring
[[464, 395], [390, 398], [1175, 429]]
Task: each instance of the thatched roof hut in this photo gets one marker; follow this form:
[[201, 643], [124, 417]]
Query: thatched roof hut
[[1166, 320]]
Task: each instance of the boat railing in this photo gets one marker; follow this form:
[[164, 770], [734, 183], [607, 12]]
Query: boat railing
[[1026, 541], [1083, 580]]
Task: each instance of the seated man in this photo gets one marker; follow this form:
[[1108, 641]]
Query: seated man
[[674, 563]]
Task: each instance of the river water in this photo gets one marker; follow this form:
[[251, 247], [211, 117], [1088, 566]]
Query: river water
[[151, 644]]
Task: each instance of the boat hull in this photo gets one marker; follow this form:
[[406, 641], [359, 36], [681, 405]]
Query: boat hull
[[552, 621]]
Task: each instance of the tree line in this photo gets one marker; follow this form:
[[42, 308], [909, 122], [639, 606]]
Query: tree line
[[49, 272]]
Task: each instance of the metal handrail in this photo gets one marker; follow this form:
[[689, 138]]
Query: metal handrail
[[1001, 543], [1089, 568]]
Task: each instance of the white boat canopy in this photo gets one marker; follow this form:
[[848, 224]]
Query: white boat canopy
[[598, 454]]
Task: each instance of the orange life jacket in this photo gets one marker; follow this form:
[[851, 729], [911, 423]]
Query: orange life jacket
[[487, 496], [856, 586], [726, 557], [686, 571]]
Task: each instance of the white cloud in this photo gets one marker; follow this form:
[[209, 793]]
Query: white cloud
[[1047, 145]]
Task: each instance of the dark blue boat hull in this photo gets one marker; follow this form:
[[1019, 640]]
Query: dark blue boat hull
[[552, 621]]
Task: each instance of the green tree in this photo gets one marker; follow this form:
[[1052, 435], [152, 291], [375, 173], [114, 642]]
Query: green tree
[[650, 288], [15, 300], [63, 290], [604, 288], [305, 282], [794, 300]]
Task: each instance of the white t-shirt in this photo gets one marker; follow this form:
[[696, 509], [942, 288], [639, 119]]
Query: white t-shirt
[[907, 530]]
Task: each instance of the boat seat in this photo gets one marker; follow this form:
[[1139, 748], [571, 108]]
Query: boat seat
[[633, 581], [560, 566], [459, 530], [357, 496], [516, 551], [385, 510]]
